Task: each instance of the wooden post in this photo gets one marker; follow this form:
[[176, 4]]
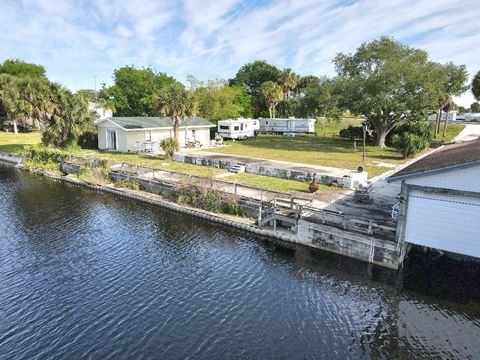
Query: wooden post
[[323, 217], [260, 215], [235, 188], [261, 196], [291, 201], [344, 222], [274, 223], [370, 224]]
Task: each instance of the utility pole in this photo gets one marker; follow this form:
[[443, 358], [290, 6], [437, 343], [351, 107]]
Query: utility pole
[[95, 90], [364, 128]]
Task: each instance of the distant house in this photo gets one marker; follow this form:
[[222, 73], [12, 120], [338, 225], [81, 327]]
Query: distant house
[[102, 112], [237, 128], [144, 134], [441, 200], [287, 125]]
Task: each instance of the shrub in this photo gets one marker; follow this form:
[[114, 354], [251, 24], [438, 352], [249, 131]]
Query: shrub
[[95, 174], [128, 184], [200, 195], [169, 146], [413, 137], [42, 154], [355, 131]]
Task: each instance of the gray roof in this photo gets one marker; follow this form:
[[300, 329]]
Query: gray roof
[[134, 123], [450, 156]]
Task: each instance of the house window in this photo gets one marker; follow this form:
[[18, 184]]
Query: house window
[[236, 128], [224, 127], [148, 135], [193, 134], [266, 122]]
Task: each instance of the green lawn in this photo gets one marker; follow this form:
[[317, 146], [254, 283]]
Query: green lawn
[[272, 183], [13, 144], [322, 150]]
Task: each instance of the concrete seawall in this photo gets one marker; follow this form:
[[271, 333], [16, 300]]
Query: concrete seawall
[[318, 236]]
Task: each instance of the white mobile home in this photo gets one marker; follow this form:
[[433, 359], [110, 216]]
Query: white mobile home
[[290, 125], [144, 134], [441, 200], [238, 128]]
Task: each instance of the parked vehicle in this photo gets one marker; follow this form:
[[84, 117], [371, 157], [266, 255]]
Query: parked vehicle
[[289, 125], [237, 128]]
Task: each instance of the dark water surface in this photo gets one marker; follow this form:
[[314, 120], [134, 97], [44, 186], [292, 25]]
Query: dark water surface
[[88, 275]]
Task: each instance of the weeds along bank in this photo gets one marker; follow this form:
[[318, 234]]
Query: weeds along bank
[[195, 193]]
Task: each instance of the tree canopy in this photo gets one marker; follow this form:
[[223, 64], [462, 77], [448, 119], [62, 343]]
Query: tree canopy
[[476, 86], [216, 100], [133, 90], [271, 93], [20, 68], [388, 82]]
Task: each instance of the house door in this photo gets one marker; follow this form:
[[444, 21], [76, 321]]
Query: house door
[[111, 140], [290, 125]]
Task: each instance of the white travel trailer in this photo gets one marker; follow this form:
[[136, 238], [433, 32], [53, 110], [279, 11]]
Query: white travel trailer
[[290, 125], [238, 128], [452, 116]]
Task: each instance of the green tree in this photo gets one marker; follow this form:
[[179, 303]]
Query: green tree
[[216, 100], [413, 137], [288, 80], [476, 86], [133, 90], [65, 118], [174, 100], [475, 107], [388, 82], [452, 80], [271, 93], [20, 68], [320, 98], [251, 76]]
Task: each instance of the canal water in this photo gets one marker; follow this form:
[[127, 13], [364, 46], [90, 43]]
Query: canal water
[[88, 275]]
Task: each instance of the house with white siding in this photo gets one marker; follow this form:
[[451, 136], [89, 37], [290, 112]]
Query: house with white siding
[[144, 134], [440, 200]]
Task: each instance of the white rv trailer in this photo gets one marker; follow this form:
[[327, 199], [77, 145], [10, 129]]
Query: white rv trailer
[[290, 125], [238, 128], [452, 116]]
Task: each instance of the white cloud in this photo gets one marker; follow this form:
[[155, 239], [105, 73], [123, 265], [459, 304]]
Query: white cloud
[[78, 39]]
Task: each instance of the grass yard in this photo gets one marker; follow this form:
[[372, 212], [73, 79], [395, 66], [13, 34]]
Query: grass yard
[[276, 184], [9, 143], [14, 144], [322, 150]]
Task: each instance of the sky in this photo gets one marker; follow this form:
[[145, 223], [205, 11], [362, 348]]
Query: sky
[[79, 41]]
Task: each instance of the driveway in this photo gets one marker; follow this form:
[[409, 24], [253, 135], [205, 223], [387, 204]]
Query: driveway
[[471, 132]]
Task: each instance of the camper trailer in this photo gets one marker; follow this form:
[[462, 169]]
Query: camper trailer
[[290, 125], [238, 128]]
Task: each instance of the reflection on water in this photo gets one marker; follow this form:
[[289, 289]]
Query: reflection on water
[[88, 275]]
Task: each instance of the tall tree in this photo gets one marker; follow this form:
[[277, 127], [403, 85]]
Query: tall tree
[[320, 98], [216, 100], [388, 82], [289, 81], [65, 116], [174, 100], [452, 80], [133, 90], [475, 107], [271, 93], [20, 68], [476, 86], [251, 76]]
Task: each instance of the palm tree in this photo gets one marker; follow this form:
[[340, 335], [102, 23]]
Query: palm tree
[[448, 106], [271, 93], [175, 101], [289, 81]]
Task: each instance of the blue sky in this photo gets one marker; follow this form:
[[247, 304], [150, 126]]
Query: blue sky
[[78, 39]]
